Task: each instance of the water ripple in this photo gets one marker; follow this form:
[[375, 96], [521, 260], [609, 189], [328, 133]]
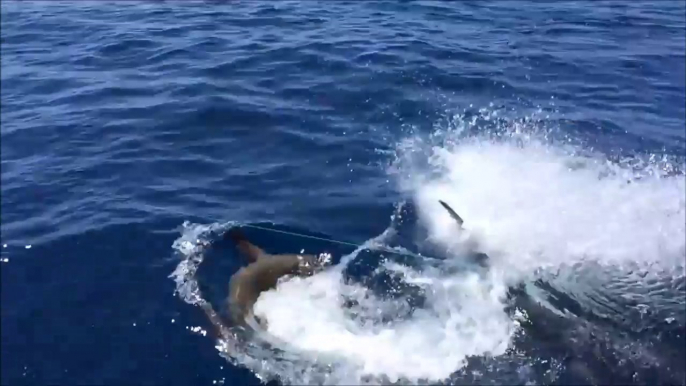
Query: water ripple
[[120, 122]]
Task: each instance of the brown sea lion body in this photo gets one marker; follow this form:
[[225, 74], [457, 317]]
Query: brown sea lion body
[[261, 274]]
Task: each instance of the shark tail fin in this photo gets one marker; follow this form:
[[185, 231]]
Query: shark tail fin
[[453, 214], [251, 251]]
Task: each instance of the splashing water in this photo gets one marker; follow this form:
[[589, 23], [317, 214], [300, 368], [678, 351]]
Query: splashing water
[[531, 203], [527, 201]]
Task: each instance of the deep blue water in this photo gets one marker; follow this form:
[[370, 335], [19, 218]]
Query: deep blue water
[[120, 121]]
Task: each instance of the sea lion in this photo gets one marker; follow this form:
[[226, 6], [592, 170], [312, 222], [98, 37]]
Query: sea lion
[[261, 274]]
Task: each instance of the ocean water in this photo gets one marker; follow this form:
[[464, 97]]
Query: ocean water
[[133, 133]]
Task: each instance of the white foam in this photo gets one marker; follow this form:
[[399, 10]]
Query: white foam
[[463, 317], [190, 246], [532, 204]]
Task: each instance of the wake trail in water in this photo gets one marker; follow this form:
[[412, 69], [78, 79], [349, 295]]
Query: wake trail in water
[[533, 205]]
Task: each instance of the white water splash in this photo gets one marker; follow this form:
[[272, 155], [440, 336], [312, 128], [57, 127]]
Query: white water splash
[[531, 204], [526, 202], [191, 246], [463, 317]]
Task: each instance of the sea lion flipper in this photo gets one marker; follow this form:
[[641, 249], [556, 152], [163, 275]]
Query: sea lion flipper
[[452, 213], [250, 250]]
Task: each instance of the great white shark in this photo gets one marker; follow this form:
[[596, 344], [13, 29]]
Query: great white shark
[[264, 270]]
